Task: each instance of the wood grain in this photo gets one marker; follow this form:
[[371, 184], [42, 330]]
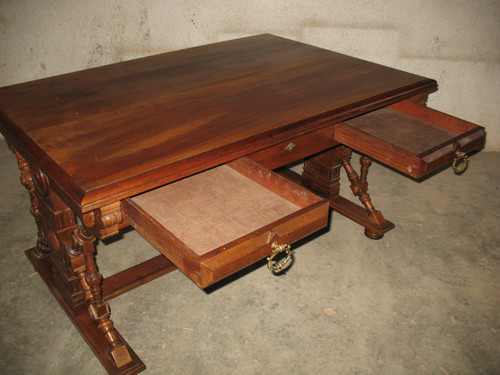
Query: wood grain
[[107, 133]]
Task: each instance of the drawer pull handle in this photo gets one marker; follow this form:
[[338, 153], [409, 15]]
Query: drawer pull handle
[[289, 147], [278, 266], [460, 162]]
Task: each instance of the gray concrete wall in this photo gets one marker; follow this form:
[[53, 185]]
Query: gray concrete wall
[[456, 42]]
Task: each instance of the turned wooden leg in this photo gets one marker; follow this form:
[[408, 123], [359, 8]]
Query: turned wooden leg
[[42, 248], [365, 163], [55, 224], [64, 259], [99, 310], [359, 187], [322, 175]]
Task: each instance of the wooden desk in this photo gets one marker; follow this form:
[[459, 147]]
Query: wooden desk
[[90, 144]]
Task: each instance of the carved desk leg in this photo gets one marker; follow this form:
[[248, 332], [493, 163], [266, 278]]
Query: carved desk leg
[[55, 224], [64, 258], [98, 309], [322, 174], [359, 187], [41, 249]]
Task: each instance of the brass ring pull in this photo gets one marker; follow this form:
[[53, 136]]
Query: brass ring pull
[[278, 266], [460, 162]]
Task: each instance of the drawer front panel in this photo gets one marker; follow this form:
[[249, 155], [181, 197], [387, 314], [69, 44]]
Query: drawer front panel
[[217, 222], [410, 138], [289, 151], [246, 252]]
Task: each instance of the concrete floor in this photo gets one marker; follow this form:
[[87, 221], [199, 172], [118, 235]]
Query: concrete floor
[[423, 300]]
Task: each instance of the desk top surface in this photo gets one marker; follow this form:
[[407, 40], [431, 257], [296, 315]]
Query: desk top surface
[[107, 133]]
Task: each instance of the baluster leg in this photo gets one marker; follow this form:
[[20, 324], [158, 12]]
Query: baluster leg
[[64, 257], [99, 310], [41, 249]]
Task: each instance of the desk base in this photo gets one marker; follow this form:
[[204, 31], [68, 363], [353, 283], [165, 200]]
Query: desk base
[[373, 229], [88, 329]]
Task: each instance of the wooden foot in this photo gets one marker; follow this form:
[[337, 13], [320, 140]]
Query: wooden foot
[[112, 361], [375, 226]]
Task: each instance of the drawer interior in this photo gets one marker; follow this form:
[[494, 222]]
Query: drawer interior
[[219, 221], [409, 137]]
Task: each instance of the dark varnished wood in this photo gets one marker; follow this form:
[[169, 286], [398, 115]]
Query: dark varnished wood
[[322, 175], [88, 142], [349, 209], [107, 133], [378, 225], [295, 148], [413, 139], [84, 324]]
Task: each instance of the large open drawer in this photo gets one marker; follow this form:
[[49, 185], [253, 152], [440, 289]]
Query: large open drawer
[[410, 138], [217, 222]]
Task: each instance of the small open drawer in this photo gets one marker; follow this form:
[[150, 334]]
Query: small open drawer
[[217, 222], [410, 138]]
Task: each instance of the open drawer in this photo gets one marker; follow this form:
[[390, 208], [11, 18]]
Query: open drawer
[[410, 138], [217, 222]]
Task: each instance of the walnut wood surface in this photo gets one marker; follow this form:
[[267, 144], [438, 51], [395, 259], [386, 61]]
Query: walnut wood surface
[[88, 140], [111, 132]]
